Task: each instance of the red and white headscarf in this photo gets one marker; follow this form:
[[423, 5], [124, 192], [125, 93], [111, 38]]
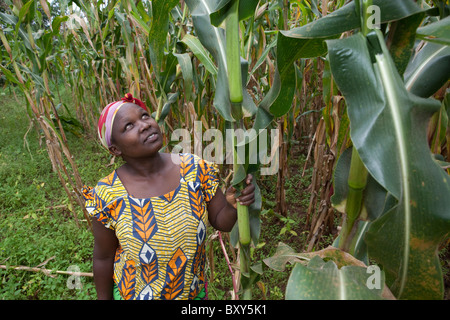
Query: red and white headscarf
[[106, 120]]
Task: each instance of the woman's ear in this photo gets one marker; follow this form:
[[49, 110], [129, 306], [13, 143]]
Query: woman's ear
[[114, 150]]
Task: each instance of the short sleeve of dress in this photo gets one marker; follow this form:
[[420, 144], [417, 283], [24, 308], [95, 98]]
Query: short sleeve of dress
[[96, 207], [209, 177]]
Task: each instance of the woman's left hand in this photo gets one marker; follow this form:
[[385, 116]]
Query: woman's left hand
[[247, 196]]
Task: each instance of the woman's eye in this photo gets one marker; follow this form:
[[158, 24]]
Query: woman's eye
[[145, 116], [128, 126]]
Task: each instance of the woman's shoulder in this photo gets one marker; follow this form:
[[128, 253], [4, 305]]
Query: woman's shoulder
[[108, 178], [108, 181], [109, 187], [106, 190], [104, 183]]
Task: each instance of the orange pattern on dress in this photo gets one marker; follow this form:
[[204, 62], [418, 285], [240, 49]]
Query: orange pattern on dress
[[175, 276]]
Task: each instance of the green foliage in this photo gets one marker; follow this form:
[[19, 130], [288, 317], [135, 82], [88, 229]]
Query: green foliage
[[388, 130], [410, 152]]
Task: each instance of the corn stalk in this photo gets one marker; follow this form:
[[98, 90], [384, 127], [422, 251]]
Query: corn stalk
[[233, 103], [236, 99], [357, 178]]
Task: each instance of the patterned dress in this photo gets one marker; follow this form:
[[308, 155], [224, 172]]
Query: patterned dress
[[161, 253]]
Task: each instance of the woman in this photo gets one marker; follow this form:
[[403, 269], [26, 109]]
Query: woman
[[155, 209]]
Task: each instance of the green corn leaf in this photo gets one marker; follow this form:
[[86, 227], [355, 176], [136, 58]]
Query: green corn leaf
[[13, 20], [200, 52], [56, 24], [171, 99], [374, 196], [105, 29], [140, 16], [263, 56], [186, 68], [140, 22], [438, 32], [341, 277], [402, 38], [375, 203], [308, 41], [323, 280], [158, 33], [37, 79], [388, 128], [27, 11], [213, 39], [428, 70], [168, 75], [5, 43], [10, 76], [246, 10], [283, 255]]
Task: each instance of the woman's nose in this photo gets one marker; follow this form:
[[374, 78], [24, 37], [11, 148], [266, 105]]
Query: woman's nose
[[144, 125]]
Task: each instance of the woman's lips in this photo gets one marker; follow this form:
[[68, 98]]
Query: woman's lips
[[151, 138]]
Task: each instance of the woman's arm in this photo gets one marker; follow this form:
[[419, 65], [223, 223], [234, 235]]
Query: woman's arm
[[105, 245], [222, 212]]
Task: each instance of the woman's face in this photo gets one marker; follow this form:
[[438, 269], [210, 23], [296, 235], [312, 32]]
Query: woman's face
[[135, 134]]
